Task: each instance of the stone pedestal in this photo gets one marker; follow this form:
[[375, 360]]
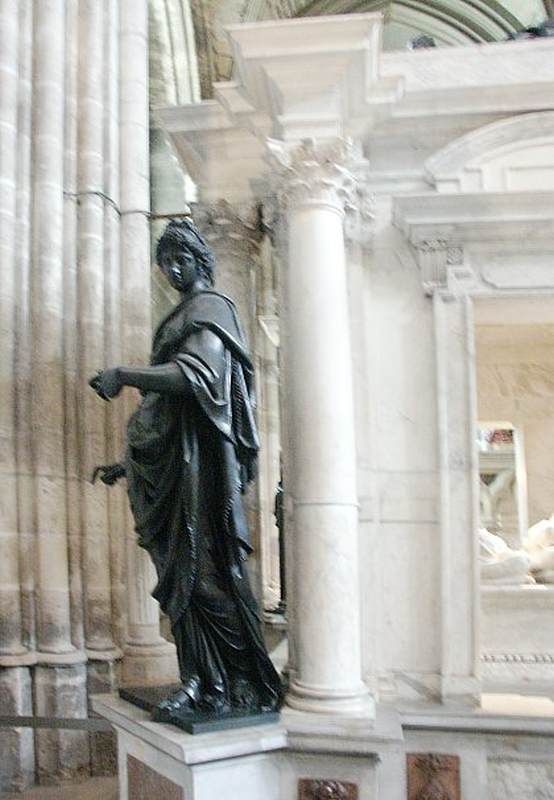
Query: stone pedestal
[[299, 757], [160, 760], [504, 749]]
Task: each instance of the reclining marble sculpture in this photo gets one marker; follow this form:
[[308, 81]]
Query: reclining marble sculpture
[[499, 563], [191, 450], [539, 545]]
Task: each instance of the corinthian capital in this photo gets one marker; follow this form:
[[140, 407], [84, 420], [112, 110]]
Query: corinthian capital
[[313, 171]]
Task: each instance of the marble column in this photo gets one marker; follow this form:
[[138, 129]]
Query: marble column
[[148, 657], [319, 410]]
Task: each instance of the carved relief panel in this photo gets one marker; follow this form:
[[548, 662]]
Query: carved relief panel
[[433, 776], [314, 789]]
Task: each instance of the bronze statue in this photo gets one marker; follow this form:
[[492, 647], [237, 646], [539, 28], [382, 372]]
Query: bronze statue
[[191, 450]]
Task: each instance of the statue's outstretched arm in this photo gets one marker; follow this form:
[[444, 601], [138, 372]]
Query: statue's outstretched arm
[[163, 378]]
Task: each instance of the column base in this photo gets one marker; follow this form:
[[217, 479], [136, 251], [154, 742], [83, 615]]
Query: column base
[[356, 703], [16, 744], [102, 677], [61, 754], [149, 664]]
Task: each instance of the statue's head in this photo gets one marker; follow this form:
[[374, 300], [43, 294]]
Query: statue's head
[[184, 256]]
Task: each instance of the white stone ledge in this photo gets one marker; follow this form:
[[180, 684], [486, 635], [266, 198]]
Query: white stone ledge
[[479, 722], [528, 596], [182, 746], [317, 733]]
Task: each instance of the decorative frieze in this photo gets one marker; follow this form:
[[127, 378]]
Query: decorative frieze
[[313, 789], [433, 776]]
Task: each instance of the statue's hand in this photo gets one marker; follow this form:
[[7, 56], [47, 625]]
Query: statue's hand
[[107, 384], [109, 473]]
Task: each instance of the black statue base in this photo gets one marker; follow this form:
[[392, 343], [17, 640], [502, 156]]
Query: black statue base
[[148, 697]]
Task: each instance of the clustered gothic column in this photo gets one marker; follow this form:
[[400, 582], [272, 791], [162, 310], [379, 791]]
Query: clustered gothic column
[[60, 675], [319, 415], [15, 684], [73, 179]]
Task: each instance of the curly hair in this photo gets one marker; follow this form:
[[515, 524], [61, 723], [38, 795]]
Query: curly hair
[[182, 234]]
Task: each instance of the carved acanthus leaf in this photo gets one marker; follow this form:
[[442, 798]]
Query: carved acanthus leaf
[[313, 171]]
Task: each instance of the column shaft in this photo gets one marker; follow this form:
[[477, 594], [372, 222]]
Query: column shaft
[[147, 655], [71, 339], [60, 676], [117, 497], [459, 495], [54, 634], [16, 744], [10, 601], [95, 526], [321, 434], [22, 371]]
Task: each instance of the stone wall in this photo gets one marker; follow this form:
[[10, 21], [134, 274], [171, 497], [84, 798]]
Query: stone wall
[[515, 383]]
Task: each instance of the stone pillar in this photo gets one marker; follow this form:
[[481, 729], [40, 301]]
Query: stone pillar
[[16, 744], [318, 404], [148, 658], [115, 424], [60, 679], [10, 601], [72, 372], [91, 295], [459, 496]]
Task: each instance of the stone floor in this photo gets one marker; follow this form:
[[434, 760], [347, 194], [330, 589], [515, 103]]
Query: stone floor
[[92, 789]]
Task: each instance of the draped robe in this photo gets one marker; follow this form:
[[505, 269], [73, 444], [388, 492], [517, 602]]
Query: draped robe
[[189, 459]]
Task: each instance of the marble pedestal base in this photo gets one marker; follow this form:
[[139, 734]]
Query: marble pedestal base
[[148, 697], [293, 758], [503, 750]]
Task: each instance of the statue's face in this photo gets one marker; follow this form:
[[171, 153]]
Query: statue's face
[[179, 267]]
